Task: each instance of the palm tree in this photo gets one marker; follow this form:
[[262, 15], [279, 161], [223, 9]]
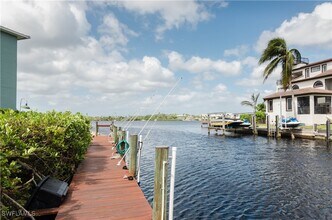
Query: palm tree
[[261, 107], [277, 53], [252, 103]]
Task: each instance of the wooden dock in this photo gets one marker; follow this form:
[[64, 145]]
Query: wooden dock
[[99, 191], [285, 133]]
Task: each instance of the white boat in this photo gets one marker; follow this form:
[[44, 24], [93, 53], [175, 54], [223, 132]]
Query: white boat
[[229, 123], [245, 123]]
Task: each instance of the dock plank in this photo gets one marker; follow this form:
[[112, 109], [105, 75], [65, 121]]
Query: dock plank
[[98, 190]]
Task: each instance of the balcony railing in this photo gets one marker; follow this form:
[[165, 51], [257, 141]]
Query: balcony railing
[[301, 60]]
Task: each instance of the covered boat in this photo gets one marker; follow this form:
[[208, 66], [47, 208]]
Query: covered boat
[[290, 122]]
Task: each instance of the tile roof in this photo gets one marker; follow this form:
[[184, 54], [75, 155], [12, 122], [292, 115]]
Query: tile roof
[[298, 92]]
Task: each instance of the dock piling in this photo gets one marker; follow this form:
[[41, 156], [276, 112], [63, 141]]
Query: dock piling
[[123, 135], [328, 130], [254, 125], [160, 184], [268, 128], [133, 154], [223, 124], [277, 134], [315, 128], [97, 128], [115, 135]]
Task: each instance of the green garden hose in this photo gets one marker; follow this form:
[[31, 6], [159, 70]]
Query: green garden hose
[[122, 147]]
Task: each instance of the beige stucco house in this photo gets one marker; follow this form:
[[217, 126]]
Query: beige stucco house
[[312, 90]]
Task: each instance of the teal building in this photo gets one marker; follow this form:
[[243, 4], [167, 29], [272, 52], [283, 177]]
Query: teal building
[[8, 66]]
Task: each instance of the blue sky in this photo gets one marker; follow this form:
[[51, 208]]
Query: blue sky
[[115, 58]]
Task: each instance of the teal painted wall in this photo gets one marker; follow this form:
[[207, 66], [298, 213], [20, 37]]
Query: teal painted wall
[[8, 71]]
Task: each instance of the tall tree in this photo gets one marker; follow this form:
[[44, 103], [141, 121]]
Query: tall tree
[[277, 53], [261, 107], [252, 102]]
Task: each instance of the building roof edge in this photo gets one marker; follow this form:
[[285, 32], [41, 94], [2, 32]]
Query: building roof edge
[[19, 36]]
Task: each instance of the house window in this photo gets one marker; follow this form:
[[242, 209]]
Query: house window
[[307, 74], [324, 68], [328, 84], [303, 105], [322, 104], [295, 87], [288, 104], [270, 104], [315, 69], [318, 84]]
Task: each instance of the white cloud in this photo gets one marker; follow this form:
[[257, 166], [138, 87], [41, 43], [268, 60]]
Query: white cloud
[[62, 64], [256, 76], [61, 23], [173, 14], [250, 61], [220, 88], [238, 51], [113, 32], [203, 65], [305, 29]]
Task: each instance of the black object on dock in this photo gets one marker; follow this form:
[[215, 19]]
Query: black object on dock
[[49, 193]]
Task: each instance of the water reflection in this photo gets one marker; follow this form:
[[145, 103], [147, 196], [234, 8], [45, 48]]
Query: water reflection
[[221, 177]]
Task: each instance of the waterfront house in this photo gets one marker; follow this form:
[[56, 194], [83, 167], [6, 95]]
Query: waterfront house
[[312, 90], [8, 66]]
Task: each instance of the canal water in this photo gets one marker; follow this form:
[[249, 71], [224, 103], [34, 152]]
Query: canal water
[[244, 177]]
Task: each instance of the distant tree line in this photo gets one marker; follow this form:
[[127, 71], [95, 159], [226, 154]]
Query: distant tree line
[[158, 117]]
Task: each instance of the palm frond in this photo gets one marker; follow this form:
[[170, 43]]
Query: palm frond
[[247, 103], [271, 67], [275, 48], [278, 54], [256, 97]]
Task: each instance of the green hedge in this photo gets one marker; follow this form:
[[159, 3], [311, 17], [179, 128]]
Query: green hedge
[[33, 144]]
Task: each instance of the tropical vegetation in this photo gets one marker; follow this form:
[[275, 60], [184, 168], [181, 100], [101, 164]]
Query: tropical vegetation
[[277, 53], [258, 109], [33, 145], [252, 102]]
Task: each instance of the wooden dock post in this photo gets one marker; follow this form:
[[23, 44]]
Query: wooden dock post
[[160, 184], [268, 128], [278, 135], [254, 126], [115, 134], [315, 128], [97, 128], [123, 135], [328, 130], [223, 124], [292, 134], [133, 155]]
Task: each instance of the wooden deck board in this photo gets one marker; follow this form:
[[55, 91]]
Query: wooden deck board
[[98, 190]]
